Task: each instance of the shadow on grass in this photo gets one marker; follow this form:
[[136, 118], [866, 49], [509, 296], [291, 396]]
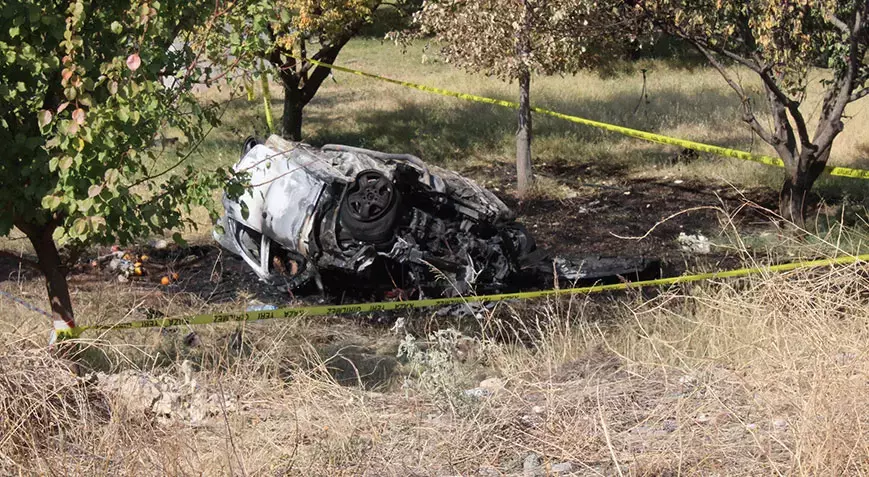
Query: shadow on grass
[[452, 131]]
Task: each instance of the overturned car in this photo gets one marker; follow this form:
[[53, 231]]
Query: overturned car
[[340, 216]]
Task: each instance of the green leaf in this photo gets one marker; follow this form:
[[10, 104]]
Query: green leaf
[[43, 117], [51, 202], [179, 239], [14, 31], [94, 190], [65, 163], [116, 27], [79, 227]]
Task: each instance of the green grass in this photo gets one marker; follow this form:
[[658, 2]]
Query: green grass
[[692, 104]]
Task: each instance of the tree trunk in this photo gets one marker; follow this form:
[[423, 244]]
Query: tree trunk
[[797, 185], [524, 173], [291, 120], [51, 266]]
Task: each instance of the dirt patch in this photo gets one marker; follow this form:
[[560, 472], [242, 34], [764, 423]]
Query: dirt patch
[[592, 224]]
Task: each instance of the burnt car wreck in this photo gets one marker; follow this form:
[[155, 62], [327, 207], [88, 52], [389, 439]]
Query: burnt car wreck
[[340, 216]]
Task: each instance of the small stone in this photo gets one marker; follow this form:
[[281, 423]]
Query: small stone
[[779, 424], [694, 243], [562, 468], [123, 279], [492, 385], [538, 409], [192, 340], [751, 426], [488, 471], [670, 425], [531, 466], [160, 244], [478, 393]]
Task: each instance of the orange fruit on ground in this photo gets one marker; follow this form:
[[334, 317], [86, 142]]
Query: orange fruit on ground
[[164, 281]]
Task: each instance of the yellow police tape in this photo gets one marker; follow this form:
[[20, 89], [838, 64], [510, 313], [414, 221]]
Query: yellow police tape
[[697, 146], [324, 310]]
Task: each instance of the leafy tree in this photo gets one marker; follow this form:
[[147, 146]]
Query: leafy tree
[[85, 87], [781, 41], [513, 39], [285, 32]]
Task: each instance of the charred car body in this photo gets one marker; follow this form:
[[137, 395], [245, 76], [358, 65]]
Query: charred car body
[[316, 216]]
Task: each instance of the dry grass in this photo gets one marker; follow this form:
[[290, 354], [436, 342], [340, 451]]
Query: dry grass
[[766, 375]]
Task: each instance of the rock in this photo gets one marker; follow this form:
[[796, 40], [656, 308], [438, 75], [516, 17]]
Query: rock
[[192, 340], [123, 279], [160, 244], [531, 466], [538, 409], [694, 243], [164, 397], [493, 385], [779, 424], [562, 468], [478, 393]]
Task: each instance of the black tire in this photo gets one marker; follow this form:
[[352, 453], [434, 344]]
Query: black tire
[[369, 209], [249, 143]]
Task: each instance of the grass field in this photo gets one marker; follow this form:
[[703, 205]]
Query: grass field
[[693, 104], [760, 376]]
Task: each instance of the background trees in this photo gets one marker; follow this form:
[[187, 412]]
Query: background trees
[[781, 42], [515, 39], [285, 32], [85, 86]]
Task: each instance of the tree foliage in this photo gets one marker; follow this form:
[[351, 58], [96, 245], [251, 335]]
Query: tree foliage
[[782, 41], [484, 36], [513, 39], [85, 87], [283, 31]]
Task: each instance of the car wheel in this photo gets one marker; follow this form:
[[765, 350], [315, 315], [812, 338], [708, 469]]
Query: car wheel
[[370, 207]]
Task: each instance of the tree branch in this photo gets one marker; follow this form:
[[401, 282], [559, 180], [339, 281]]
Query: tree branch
[[748, 115], [753, 66], [831, 120], [842, 26], [319, 74], [858, 94]]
